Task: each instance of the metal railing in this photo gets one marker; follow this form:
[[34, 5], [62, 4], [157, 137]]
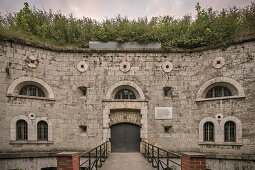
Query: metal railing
[[94, 157], [251, 159], [159, 158]]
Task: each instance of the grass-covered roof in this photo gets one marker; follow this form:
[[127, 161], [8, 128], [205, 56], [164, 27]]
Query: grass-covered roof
[[208, 28]]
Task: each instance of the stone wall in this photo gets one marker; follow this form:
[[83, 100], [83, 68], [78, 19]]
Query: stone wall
[[225, 164], [28, 163], [147, 73]]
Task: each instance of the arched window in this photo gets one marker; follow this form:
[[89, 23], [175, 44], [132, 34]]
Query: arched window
[[125, 94], [42, 130], [208, 132], [218, 91], [21, 130], [31, 90], [230, 131]]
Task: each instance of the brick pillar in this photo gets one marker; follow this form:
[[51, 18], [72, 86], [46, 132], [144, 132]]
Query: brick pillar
[[68, 161], [193, 161]]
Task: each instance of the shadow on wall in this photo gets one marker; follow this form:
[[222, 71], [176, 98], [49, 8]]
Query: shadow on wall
[[49, 168]]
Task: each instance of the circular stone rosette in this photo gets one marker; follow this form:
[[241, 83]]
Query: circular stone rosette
[[167, 66], [218, 62], [82, 66], [125, 66], [31, 116], [219, 116]]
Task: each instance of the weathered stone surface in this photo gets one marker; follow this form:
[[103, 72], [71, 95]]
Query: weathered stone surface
[[69, 109]]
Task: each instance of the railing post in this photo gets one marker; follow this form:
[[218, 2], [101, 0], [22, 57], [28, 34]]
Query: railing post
[[167, 163], [89, 162], [145, 150], [158, 159], [100, 156], [148, 152], [152, 155], [161, 154], [104, 153], [106, 149], [96, 158]]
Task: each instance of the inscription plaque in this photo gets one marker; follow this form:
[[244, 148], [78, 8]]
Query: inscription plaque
[[163, 112]]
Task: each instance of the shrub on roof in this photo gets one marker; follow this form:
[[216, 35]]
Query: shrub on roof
[[209, 27]]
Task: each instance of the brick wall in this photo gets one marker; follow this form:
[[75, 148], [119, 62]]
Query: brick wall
[[68, 161], [193, 162]]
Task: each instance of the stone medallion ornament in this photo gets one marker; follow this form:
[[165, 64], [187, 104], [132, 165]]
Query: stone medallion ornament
[[31, 116], [125, 66], [82, 66], [218, 62], [32, 61], [219, 116], [167, 66]]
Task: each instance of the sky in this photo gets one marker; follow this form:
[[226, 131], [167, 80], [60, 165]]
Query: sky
[[102, 9]]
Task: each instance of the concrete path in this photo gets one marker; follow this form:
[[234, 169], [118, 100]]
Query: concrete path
[[126, 161]]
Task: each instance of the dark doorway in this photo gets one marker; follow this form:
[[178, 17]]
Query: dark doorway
[[125, 137]]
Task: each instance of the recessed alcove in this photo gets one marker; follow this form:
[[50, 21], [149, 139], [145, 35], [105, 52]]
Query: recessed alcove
[[83, 90]]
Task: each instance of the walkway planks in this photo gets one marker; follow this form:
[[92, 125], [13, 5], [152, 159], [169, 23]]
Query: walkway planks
[[126, 161]]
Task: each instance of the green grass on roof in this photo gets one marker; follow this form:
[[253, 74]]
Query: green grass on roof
[[209, 27]]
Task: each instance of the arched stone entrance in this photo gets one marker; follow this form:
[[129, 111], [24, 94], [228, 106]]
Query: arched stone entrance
[[125, 137], [122, 114]]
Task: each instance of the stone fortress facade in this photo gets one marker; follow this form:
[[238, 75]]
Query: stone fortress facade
[[68, 101]]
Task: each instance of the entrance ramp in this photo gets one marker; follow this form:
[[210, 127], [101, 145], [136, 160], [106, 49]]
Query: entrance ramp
[[126, 161]]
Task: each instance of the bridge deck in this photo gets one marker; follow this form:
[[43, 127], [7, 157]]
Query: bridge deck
[[126, 161]]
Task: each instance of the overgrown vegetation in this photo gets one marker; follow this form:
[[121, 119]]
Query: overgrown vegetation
[[208, 28]]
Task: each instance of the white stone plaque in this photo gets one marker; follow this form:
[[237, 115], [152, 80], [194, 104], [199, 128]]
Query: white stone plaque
[[163, 112]]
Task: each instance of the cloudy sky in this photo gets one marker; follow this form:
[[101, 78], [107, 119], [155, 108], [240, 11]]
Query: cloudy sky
[[101, 9]]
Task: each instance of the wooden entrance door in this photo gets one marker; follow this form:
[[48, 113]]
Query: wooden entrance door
[[125, 137]]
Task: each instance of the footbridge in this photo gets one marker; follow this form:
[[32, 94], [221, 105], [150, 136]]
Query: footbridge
[[150, 157]]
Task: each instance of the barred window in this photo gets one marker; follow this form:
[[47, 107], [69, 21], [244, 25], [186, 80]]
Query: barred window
[[42, 131], [230, 131], [21, 130], [218, 91], [31, 90], [125, 94], [208, 132]]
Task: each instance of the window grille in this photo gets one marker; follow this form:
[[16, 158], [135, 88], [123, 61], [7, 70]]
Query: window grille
[[42, 131], [230, 131], [21, 130], [31, 90], [125, 94], [218, 91], [208, 132]]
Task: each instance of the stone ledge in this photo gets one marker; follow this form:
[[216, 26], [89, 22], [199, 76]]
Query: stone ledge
[[67, 154], [221, 144], [30, 97], [193, 154], [220, 98], [30, 142], [16, 155], [228, 157]]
